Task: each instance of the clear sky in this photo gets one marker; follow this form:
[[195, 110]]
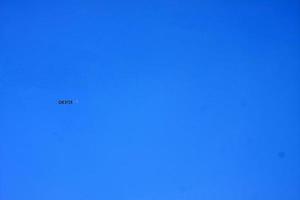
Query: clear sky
[[175, 100]]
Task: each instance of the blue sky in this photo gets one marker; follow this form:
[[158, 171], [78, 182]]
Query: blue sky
[[177, 100]]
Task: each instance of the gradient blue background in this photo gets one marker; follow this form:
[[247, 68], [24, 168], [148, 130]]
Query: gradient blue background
[[177, 100]]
